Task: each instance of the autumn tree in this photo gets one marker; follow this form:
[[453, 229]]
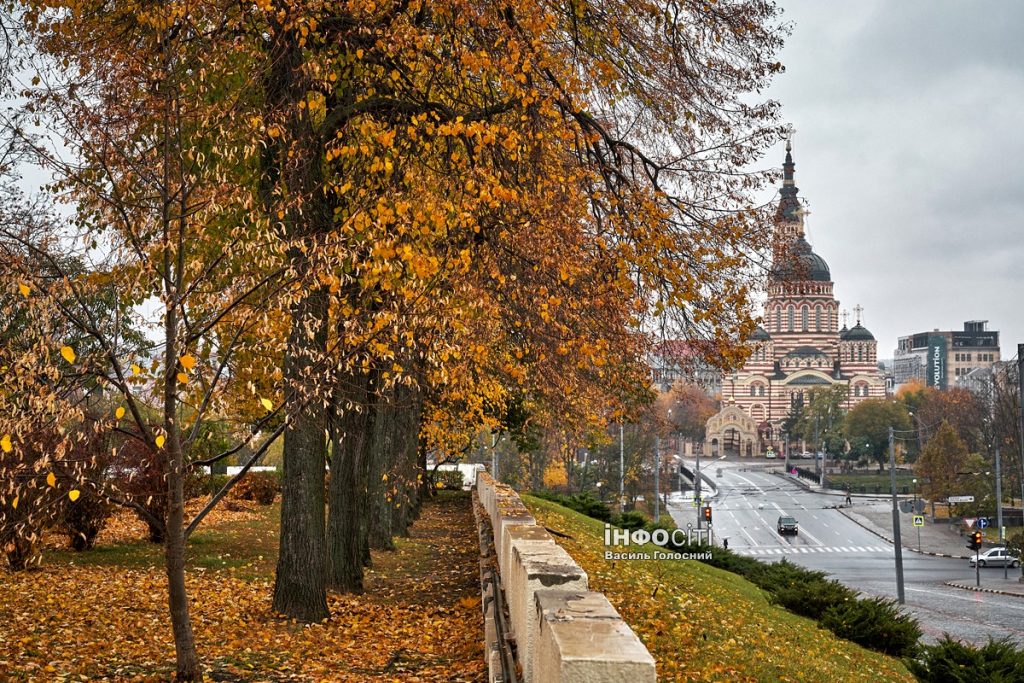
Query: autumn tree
[[942, 464], [868, 425], [691, 408], [965, 411], [144, 144]]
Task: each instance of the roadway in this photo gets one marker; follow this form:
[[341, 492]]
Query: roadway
[[746, 511]]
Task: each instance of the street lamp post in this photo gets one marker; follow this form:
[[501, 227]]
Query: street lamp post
[[785, 454], [915, 513], [657, 483], [897, 541], [622, 478]]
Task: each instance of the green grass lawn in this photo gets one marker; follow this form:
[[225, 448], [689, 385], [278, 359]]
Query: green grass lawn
[[703, 623], [870, 481]]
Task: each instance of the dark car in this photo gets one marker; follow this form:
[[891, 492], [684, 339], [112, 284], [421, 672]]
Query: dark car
[[788, 525]]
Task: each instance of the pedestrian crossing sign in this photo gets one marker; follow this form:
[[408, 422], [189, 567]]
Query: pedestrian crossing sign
[[918, 520]]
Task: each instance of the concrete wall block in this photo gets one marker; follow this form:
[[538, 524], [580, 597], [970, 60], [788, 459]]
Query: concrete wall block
[[532, 569], [582, 639], [524, 536]]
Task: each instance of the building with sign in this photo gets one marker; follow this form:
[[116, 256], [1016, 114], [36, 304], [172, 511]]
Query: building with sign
[[798, 348], [942, 358]]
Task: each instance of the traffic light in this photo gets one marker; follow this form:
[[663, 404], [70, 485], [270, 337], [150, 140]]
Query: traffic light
[[707, 514], [975, 540]]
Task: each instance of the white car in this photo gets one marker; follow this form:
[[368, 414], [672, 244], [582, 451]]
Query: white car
[[996, 557]]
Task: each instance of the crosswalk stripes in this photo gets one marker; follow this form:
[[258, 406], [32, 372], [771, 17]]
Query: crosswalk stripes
[[794, 550]]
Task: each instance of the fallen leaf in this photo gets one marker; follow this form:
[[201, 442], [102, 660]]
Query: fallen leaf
[[68, 353], [267, 404], [51, 480], [24, 289], [73, 494], [5, 443]]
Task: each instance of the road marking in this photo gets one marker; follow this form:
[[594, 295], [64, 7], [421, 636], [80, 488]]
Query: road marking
[[752, 541]]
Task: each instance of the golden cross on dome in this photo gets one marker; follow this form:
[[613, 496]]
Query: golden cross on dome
[[845, 315], [858, 310]]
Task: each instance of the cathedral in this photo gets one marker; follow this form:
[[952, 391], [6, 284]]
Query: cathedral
[[799, 346]]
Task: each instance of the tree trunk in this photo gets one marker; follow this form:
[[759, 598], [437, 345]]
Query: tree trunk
[[383, 477], [348, 521], [300, 590], [292, 182], [187, 658]]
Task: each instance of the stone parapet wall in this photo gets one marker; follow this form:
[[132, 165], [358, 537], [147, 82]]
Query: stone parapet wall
[[564, 632]]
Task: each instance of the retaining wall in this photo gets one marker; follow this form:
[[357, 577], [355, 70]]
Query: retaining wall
[[564, 633]]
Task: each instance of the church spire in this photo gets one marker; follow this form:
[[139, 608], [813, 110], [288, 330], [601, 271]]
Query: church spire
[[789, 205]]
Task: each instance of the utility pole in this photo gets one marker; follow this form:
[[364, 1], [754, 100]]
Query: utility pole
[[999, 504], [657, 486], [1020, 426], [897, 541]]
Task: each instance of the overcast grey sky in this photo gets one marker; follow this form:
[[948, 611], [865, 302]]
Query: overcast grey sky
[[910, 153]]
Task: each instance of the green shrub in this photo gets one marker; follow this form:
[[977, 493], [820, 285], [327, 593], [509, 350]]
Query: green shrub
[[812, 598], [950, 661], [875, 623], [259, 487], [584, 503], [631, 520], [84, 519]]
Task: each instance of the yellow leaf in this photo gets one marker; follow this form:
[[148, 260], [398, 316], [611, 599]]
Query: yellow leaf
[[14, 503], [68, 353], [119, 413], [5, 443], [51, 480], [24, 289], [188, 361], [160, 441], [183, 378], [266, 403], [385, 477], [136, 369], [73, 495]]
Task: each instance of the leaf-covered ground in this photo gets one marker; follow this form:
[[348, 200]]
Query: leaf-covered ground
[[705, 624], [102, 615]]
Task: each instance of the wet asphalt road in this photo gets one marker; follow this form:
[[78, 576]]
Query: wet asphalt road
[[746, 512]]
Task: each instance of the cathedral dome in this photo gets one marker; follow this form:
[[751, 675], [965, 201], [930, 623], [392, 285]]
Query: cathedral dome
[[802, 264], [857, 333], [812, 266]]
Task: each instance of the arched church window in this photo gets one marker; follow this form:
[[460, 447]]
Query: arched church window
[[791, 313], [760, 390], [753, 390], [803, 318], [860, 354], [778, 319], [817, 318]]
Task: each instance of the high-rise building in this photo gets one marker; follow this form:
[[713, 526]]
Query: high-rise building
[[798, 347], [942, 358]]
